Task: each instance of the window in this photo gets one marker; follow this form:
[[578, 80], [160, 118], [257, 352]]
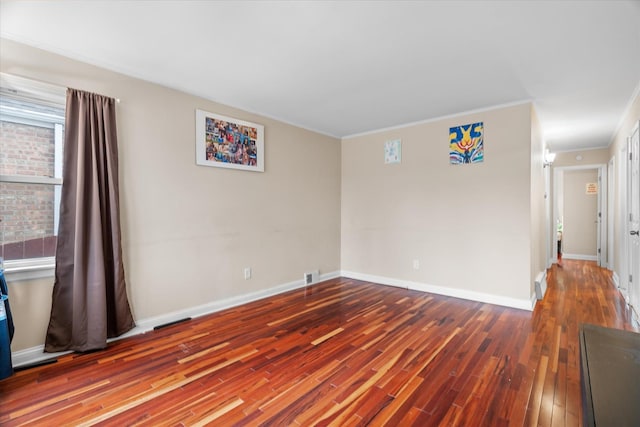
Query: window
[[31, 142]]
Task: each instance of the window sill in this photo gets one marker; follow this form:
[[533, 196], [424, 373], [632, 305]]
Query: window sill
[[29, 269]]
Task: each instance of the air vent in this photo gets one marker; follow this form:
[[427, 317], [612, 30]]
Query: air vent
[[311, 277]]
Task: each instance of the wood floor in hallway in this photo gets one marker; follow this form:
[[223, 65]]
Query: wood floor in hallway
[[342, 352]]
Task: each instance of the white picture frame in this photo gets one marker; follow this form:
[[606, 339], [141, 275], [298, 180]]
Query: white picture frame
[[393, 151], [227, 142]]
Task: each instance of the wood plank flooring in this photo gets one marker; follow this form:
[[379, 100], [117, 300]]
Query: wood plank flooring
[[341, 353]]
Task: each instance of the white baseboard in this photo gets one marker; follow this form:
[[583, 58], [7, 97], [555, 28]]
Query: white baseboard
[[148, 324], [616, 280], [522, 304], [580, 257], [33, 355], [36, 354], [533, 300]]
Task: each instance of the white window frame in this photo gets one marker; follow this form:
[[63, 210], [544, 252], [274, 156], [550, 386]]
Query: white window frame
[[45, 94]]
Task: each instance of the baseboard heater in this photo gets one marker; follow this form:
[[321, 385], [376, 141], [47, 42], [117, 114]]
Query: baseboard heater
[[541, 285], [175, 322]]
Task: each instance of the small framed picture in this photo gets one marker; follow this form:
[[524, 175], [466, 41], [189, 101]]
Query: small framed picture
[[466, 144], [226, 142], [392, 151]]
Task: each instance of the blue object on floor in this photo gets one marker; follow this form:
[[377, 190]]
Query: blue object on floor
[[6, 330]]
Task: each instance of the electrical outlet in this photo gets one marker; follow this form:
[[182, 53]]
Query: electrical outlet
[[247, 273], [416, 264]]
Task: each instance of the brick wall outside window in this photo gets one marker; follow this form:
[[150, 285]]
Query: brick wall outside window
[[26, 210]]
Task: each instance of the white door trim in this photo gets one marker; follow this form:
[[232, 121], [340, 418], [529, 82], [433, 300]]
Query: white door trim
[[610, 217], [623, 221], [633, 221], [602, 216], [548, 218]]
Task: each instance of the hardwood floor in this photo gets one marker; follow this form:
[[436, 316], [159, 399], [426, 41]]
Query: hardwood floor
[[342, 352]]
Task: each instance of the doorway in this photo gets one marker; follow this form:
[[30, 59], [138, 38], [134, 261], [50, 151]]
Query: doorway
[[579, 214]]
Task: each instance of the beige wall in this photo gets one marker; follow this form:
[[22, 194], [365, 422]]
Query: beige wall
[[30, 306], [598, 156], [469, 226], [188, 231], [579, 235]]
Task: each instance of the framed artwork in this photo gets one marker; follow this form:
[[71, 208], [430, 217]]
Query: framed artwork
[[392, 151], [226, 142], [466, 144]]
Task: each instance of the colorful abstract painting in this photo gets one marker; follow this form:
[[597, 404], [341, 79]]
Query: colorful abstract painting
[[466, 144]]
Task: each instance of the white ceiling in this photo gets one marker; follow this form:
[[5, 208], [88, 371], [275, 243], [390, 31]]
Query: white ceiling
[[343, 68]]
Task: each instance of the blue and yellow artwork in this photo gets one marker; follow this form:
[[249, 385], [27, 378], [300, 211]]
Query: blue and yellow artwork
[[466, 144]]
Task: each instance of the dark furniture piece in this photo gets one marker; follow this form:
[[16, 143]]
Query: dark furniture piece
[[610, 376]]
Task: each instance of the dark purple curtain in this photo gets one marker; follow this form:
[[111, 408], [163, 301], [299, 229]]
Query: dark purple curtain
[[89, 294]]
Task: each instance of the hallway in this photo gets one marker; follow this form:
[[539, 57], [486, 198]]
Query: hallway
[[579, 292]]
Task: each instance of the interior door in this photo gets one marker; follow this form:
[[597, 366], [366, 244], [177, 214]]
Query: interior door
[[634, 221]]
